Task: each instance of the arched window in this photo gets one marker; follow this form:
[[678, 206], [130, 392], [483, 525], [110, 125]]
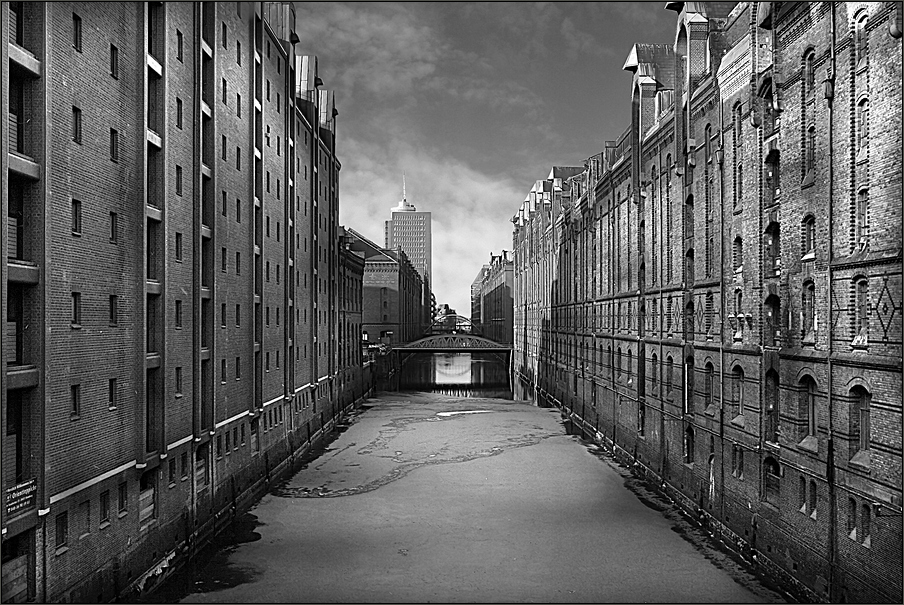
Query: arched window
[[862, 125], [630, 360], [865, 522], [618, 363], [771, 481], [808, 236], [708, 373], [810, 152], [852, 519], [861, 227], [772, 327], [771, 407], [668, 316], [689, 445], [737, 254], [654, 371], [738, 124], [861, 40], [861, 311], [737, 389], [707, 142], [773, 250], [808, 312], [813, 499], [806, 406], [689, 319], [669, 373], [809, 72], [860, 419], [772, 174]]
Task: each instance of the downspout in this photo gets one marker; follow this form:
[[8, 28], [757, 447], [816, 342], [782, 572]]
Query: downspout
[[720, 159], [830, 454]]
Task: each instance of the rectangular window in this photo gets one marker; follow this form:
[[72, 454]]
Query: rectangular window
[[223, 260], [278, 102], [77, 125], [75, 398], [228, 443], [238, 158], [238, 316], [179, 45], [223, 35], [223, 315], [238, 105], [178, 113], [179, 247], [238, 210], [225, 102], [76, 217], [178, 381], [172, 471], [238, 52], [223, 147], [223, 204], [178, 313], [62, 528], [183, 465], [76, 32], [114, 61], [111, 394], [114, 227], [219, 446], [223, 370], [238, 368], [178, 180], [77, 308], [114, 144], [105, 507], [114, 309], [123, 498]]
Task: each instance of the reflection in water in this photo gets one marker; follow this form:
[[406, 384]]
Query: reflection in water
[[458, 374]]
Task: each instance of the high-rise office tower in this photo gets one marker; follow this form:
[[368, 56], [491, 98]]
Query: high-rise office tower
[[409, 230]]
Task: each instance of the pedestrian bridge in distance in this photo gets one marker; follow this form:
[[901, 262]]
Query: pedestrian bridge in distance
[[453, 343]]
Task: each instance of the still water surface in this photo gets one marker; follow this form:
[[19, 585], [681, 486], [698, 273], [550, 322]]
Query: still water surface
[[458, 374]]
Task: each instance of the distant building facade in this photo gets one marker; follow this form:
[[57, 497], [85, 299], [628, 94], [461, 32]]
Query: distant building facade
[[716, 295], [494, 300], [475, 294], [393, 310], [170, 281], [411, 230]]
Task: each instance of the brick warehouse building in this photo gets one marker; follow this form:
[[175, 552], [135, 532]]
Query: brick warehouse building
[[717, 295], [170, 211], [491, 299]]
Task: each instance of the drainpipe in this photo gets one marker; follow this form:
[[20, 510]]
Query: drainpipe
[[720, 159], [830, 454]]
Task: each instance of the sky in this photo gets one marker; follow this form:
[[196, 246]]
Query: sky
[[473, 103]]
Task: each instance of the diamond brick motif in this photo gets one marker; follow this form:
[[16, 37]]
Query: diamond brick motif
[[885, 308]]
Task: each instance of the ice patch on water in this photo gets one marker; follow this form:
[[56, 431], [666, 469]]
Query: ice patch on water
[[446, 414]]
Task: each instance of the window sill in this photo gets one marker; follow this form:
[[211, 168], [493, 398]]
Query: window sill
[[104, 524], [60, 550], [862, 155], [74, 417], [75, 326], [809, 180], [811, 255], [178, 396], [738, 421], [122, 513], [76, 234], [809, 443], [861, 460]]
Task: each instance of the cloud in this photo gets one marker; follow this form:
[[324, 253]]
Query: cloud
[[470, 210], [375, 49]]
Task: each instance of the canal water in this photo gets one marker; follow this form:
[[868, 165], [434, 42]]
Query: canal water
[[457, 374]]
